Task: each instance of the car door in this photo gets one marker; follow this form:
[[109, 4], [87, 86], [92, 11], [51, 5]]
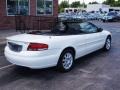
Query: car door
[[89, 40]]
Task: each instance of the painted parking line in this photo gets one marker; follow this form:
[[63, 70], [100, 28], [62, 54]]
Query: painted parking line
[[85, 71], [117, 31], [5, 67]]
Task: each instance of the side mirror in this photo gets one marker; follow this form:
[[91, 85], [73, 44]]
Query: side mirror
[[100, 29]]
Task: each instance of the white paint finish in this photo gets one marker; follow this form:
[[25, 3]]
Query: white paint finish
[[83, 44]]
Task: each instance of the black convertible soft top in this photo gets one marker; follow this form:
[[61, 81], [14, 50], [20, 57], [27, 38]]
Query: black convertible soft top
[[65, 24]]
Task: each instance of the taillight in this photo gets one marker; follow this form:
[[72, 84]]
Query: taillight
[[37, 47]]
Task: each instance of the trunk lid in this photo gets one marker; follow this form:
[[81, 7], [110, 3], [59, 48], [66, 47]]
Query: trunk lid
[[21, 42], [29, 38]]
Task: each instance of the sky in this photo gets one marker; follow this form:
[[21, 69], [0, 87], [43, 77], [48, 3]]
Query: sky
[[86, 1]]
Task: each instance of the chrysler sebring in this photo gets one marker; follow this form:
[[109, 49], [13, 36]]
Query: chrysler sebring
[[59, 47]]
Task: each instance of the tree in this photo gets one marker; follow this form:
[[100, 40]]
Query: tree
[[93, 2], [114, 3], [63, 4], [76, 4], [117, 3], [109, 2]]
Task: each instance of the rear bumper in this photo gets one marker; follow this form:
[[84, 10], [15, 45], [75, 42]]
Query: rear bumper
[[34, 60]]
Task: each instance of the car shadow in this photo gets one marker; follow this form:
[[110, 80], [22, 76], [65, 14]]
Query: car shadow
[[53, 72], [17, 73], [85, 60]]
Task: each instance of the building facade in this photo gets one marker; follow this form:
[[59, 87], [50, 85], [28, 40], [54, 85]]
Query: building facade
[[101, 7], [30, 13], [97, 7]]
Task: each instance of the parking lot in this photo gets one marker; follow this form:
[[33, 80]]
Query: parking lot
[[97, 71]]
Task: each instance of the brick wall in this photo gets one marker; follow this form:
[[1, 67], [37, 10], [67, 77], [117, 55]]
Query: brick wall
[[45, 22], [55, 8], [5, 21], [33, 7], [2, 7]]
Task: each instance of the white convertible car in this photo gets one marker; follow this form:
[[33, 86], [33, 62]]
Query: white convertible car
[[59, 47]]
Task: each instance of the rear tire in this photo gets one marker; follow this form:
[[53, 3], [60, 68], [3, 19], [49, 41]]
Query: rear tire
[[107, 45], [104, 21], [66, 61]]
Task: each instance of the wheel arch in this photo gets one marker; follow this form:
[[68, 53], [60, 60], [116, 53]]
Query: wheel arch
[[69, 48], [109, 36], [62, 51]]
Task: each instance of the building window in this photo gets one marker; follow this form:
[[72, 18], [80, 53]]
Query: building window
[[18, 7], [40, 6], [44, 7]]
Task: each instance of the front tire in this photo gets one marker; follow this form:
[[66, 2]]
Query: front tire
[[66, 61], [107, 45]]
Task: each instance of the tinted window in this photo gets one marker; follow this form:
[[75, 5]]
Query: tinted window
[[74, 28], [20, 7], [67, 28], [44, 7], [88, 28]]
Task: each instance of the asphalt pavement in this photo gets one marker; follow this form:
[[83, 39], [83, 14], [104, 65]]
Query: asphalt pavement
[[97, 71]]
